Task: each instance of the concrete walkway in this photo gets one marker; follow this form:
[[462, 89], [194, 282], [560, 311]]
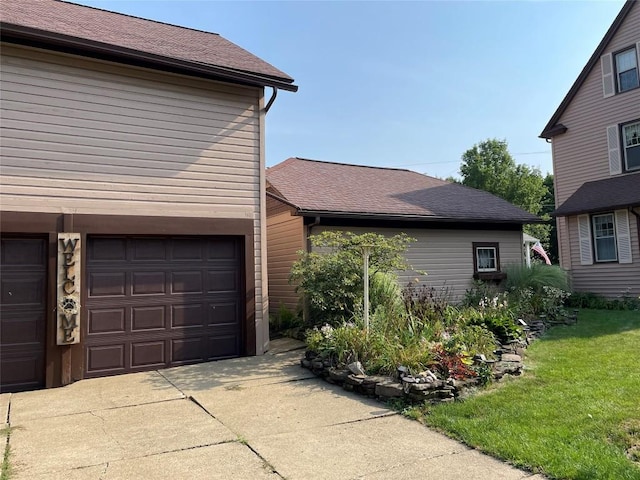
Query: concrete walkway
[[248, 418]]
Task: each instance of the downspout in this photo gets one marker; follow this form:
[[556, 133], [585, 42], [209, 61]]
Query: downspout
[[271, 100], [305, 305], [315, 223]]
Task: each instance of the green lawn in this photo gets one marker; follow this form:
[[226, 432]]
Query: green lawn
[[572, 414]]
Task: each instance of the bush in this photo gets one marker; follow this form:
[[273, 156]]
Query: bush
[[285, 322], [535, 277], [591, 300], [330, 277]]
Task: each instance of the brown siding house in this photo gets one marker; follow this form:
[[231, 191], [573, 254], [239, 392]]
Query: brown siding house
[[454, 225], [133, 211], [595, 137]]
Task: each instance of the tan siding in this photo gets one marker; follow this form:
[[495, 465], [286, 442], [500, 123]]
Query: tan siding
[[91, 137], [608, 279], [275, 207], [447, 255], [285, 237], [581, 155]]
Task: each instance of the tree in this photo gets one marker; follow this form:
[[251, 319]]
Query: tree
[[490, 167], [331, 276]]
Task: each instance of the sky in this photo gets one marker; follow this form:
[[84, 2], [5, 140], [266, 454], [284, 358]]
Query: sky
[[405, 84]]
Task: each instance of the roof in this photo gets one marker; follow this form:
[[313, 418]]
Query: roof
[[553, 128], [340, 190], [100, 33], [611, 193]]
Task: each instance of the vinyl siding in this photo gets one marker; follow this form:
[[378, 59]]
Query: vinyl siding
[[581, 155], [607, 279], [90, 137], [447, 255], [285, 237]]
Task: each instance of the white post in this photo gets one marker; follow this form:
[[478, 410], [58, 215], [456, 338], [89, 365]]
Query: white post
[[528, 254], [366, 288]]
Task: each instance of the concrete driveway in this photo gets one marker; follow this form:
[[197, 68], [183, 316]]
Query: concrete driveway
[[248, 418]]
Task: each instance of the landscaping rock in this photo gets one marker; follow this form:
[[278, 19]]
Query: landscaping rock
[[506, 357], [356, 368], [354, 380], [338, 375], [389, 389]]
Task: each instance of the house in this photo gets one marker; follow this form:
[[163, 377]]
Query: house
[[595, 139], [133, 195], [461, 233]]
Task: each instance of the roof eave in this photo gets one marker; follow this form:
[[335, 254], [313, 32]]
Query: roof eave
[[578, 211], [53, 41], [408, 217], [587, 68]]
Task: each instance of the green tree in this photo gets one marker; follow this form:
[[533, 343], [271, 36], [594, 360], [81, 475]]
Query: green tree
[[331, 276], [490, 167]]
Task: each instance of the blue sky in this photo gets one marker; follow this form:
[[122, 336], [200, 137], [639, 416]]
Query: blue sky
[[405, 84]]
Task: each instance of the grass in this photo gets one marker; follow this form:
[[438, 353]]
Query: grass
[[575, 413], [5, 469]]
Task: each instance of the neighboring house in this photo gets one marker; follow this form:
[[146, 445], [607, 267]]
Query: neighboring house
[[145, 141], [461, 233], [595, 138]]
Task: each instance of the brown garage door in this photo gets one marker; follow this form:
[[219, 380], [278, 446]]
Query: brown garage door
[[23, 278], [155, 302]]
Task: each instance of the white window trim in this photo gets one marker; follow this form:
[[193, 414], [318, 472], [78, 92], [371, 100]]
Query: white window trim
[[624, 145], [495, 260], [617, 73], [595, 238]]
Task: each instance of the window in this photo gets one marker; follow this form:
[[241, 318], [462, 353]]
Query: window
[[631, 145], [486, 261], [626, 63], [604, 238]]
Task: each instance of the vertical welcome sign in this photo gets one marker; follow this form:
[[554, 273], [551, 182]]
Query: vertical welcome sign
[[69, 272]]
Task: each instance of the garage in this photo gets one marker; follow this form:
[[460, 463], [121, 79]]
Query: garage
[[23, 313], [158, 301]]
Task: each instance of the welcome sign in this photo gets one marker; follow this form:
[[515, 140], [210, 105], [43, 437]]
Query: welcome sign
[[69, 272]]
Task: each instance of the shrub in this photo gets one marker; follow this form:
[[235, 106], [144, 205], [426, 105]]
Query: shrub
[[330, 277], [285, 322], [535, 277], [591, 300], [426, 303]]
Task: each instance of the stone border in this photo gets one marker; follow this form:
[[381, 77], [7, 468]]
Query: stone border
[[425, 386]]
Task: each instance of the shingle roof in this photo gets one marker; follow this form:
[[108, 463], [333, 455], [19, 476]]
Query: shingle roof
[[81, 26], [553, 128], [325, 188], [612, 193]]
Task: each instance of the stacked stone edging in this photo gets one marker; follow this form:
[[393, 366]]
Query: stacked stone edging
[[425, 386]]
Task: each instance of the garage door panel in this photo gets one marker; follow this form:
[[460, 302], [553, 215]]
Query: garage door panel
[[187, 249], [110, 320], [185, 350], [223, 314], [222, 281], [22, 290], [107, 284], [219, 249], [23, 328], [187, 282], [107, 250], [148, 283], [168, 285], [185, 316], [23, 295], [148, 318], [23, 252], [148, 354], [106, 359], [222, 346]]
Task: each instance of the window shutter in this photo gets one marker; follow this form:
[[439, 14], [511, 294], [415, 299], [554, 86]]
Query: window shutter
[[613, 142], [608, 81], [584, 237], [623, 236], [638, 55]]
